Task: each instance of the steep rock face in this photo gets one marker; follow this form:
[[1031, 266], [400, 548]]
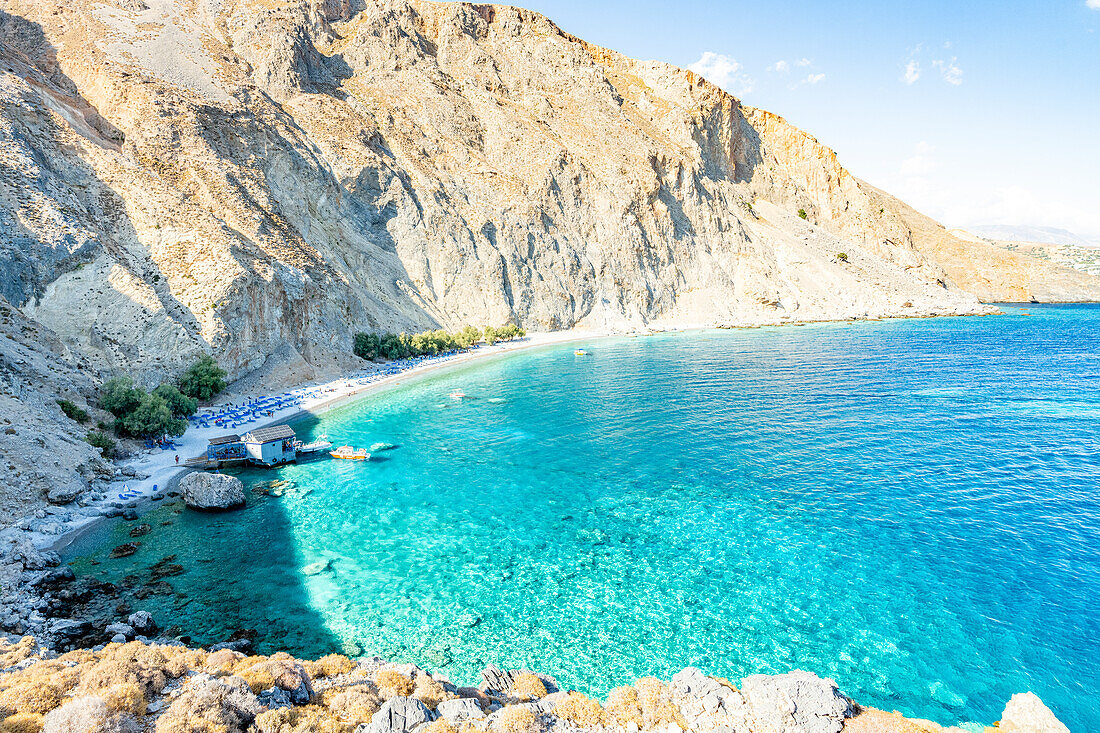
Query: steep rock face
[[43, 454], [252, 178]]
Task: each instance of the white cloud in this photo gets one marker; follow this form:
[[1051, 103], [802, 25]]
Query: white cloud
[[1094, 4], [912, 71], [782, 67], [723, 71], [950, 70], [806, 62], [814, 78]]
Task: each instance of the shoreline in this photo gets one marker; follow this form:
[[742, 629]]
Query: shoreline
[[159, 474], [160, 468], [336, 393]]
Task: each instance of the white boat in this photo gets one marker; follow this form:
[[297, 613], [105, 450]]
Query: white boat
[[458, 394], [316, 446]]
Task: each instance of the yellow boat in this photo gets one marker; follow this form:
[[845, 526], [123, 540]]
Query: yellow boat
[[580, 352], [347, 453]]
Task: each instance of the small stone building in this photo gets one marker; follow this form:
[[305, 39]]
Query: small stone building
[[270, 446]]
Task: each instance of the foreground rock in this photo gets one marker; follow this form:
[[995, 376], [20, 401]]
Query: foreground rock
[[169, 688], [1026, 713], [212, 492]]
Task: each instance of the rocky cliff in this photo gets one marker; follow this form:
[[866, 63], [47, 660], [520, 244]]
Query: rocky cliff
[[255, 178]]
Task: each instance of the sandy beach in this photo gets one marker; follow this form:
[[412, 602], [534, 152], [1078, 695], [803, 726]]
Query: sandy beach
[[158, 472]]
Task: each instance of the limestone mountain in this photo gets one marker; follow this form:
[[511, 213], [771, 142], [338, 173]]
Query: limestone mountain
[[263, 178]]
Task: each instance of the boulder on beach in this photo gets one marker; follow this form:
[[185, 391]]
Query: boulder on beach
[[64, 493], [212, 492]]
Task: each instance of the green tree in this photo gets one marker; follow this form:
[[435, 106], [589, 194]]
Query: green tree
[[102, 441], [180, 404], [468, 336], [119, 396], [491, 335], [74, 411], [842, 256], [802, 213], [204, 380], [368, 346], [151, 419]]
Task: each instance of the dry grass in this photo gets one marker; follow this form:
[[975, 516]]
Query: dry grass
[[355, 704], [439, 726], [182, 660], [331, 665], [517, 719], [581, 710], [208, 705], [623, 707], [88, 714], [305, 719], [36, 696], [12, 654], [21, 723], [223, 660], [278, 670], [392, 683], [658, 710], [130, 663], [527, 686], [429, 691], [125, 698]]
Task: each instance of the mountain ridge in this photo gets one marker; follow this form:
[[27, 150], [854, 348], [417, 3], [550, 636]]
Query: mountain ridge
[[251, 178]]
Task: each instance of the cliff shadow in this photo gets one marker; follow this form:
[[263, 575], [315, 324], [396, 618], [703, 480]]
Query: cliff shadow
[[208, 578]]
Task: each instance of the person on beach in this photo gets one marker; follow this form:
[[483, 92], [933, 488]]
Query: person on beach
[[177, 460]]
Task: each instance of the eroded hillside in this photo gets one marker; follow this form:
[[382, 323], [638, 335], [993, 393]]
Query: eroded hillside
[[252, 177]]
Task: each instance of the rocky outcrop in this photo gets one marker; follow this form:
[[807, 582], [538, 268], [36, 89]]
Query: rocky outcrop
[[258, 180], [212, 492], [178, 688], [399, 715], [1026, 713]]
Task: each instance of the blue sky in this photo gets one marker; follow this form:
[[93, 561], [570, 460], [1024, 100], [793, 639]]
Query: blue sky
[[974, 112]]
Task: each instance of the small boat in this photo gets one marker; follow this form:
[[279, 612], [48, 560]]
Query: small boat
[[458, 394], [317, 446], [580, 352], [347, 453]]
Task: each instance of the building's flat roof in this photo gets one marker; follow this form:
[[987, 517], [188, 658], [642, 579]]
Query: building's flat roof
[[266, 435], [225, 439]]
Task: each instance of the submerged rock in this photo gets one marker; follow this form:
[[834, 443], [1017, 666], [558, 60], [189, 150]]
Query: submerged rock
[[124, 550], [212, 492], [1026, 713], [316, 568]]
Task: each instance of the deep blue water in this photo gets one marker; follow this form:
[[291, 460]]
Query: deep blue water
[[908, 507]]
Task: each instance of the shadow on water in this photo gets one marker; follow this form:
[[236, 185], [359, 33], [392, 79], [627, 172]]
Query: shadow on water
[[201, 574]]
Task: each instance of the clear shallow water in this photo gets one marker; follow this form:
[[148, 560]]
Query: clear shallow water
[[909, 507]]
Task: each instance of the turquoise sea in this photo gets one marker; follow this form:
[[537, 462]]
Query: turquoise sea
[[909, 507]]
